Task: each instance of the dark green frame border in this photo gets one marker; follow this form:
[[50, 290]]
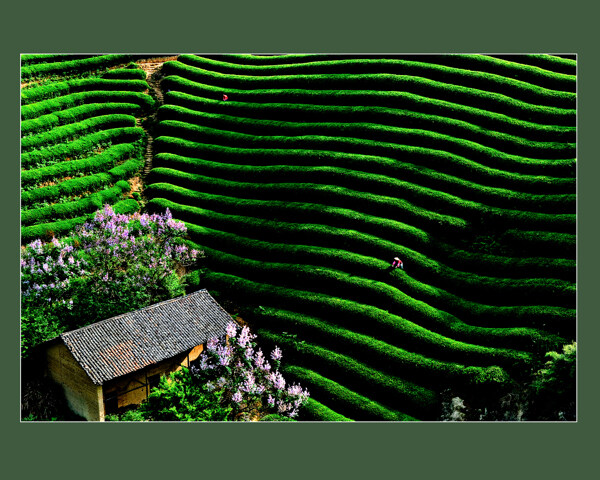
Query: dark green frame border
[[470, 450]]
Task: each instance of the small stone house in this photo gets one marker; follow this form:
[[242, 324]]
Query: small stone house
[[114, 363]]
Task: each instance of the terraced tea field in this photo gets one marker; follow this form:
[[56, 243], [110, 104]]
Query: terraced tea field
[[303, 176], [80, 139]]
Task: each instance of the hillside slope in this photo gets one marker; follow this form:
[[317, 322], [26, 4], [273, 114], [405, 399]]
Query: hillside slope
[[81, 138], [317, 171]]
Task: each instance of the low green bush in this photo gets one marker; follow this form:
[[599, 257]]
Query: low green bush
[[125, 73], [389, 390], [367, 320], [70, 209], [76, 114], [561, 113], [65, 133], [126, 207], [557, 319], [471, 286], [181, 138], [52, 228], [56, 89], [490, 82], [498, 131], [80, 185], [81, 146], [66, 188], [313, 410], [31, 59], [381, 355], [552, 63], [69, 67], [356, 406], [127, 170], [96, 163], [52, 105]]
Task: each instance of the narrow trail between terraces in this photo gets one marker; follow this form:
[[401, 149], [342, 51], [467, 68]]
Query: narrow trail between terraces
[[154, 75]]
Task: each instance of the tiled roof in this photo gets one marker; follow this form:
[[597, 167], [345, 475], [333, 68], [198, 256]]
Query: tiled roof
[[129, 342]]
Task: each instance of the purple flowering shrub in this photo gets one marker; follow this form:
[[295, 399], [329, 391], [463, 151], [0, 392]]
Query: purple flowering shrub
[[248, 383], [112, 264]]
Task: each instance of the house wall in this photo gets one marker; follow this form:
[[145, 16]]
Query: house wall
[[131, 389], [83, 397]]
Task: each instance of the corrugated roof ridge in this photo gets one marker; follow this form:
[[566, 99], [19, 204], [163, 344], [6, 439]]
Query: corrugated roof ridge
[[125, 325], [149, 307]]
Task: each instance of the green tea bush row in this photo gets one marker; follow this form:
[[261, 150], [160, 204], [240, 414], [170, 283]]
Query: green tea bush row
[[82, 145], [427, 184], [499, 131], [79, 207], [68, 187], [400, 233], [365, 319], [379, 294], [401, 150], [65, 133], [127, 169], [321, 196], [50, 229], [126, 206], [557, 319], [96, 163], [498, 290], [547, 62], [384, 388], [56, 89], [536, 241], [70, 67], [379, 354], [316, 411], [126, 73], [31, 59], [410, 204], [395, 168], [366, 133], [378, 118], [244, 59], [442, 161], [557, 77], [76, 114], [550, 76], [376, 66], [354, 405], [52, 105], [77, 186], [386, 85]]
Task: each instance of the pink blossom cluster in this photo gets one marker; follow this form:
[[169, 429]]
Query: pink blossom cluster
[[246, 376], [111, 249], [47, 271], [130, 236]]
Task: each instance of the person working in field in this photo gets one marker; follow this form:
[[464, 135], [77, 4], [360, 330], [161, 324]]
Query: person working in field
[[225, 97], [397, 263]]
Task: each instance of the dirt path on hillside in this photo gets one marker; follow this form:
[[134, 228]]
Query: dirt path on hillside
[[153, 69]]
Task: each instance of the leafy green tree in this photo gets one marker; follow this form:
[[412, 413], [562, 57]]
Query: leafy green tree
[[554, 387], [113, 264], [180, 397]]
